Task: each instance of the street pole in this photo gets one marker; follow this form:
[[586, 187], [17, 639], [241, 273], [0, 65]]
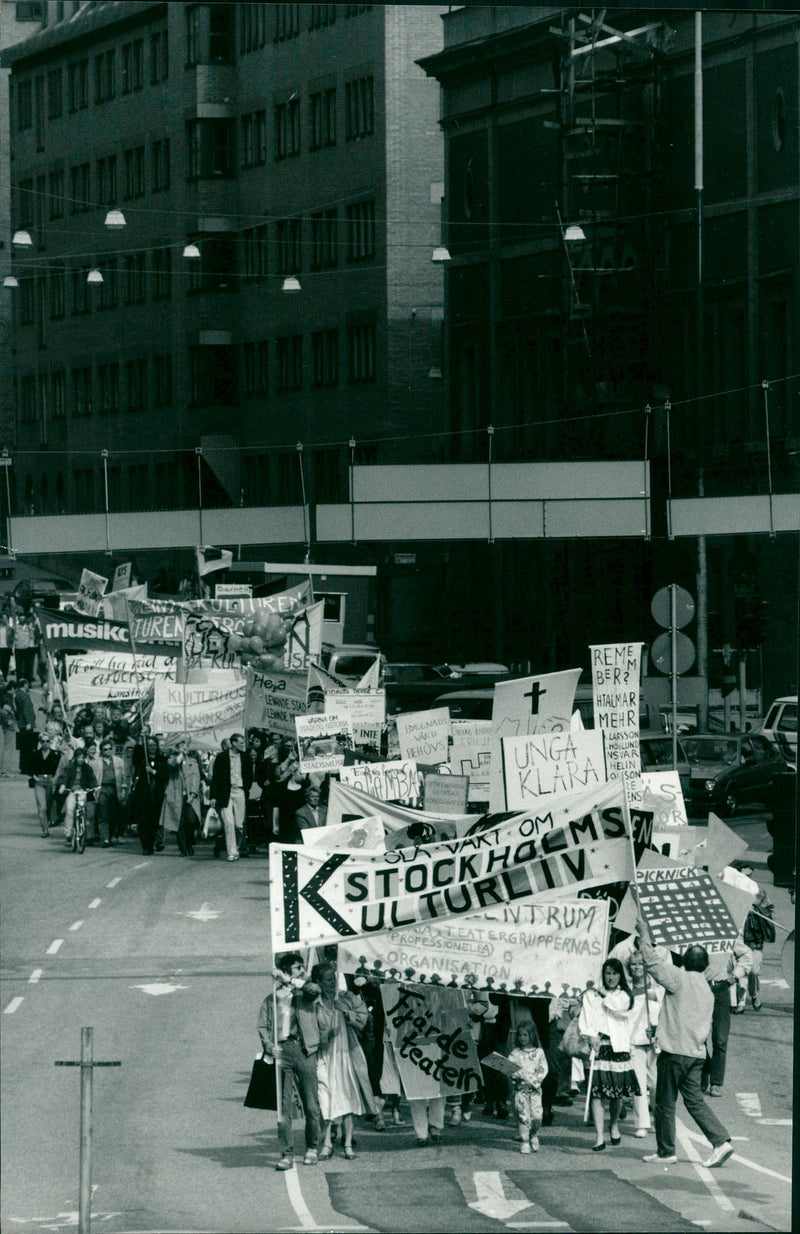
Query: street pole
[[87, 1065], [673, 635]]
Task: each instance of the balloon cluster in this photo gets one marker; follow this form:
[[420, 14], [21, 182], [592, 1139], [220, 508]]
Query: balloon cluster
[[262, 641]]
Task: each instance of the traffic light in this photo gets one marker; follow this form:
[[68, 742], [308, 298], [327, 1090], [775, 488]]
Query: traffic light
[[748, 619]]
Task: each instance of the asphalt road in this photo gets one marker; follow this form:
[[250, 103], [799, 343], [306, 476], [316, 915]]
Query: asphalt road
[[166, 959]]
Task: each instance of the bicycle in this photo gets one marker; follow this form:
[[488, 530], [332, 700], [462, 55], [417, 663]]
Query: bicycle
[[79, 821]]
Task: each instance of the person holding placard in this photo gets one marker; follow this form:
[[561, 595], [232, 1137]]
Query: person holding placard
[[605, 1018]]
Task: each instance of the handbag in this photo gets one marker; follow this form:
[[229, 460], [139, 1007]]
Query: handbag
[[262, 1091], [574, 1043]]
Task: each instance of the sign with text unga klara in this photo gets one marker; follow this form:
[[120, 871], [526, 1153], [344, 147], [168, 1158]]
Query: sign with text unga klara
[[615, 686], [273, 700], [523, 707], [546, 765], [429, 1029], [470, 755], [101, 675], [424, 736], [682, 905], [549, 855], [542, 946]]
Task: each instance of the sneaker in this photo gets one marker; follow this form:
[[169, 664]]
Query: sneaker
[[232, 857], [720, 1154], [640, 1133], [715, 1090], [525, 1147], [535, 1143], [456, 1116], [286, 1162], [466, 1115], [655, 1159], [310, 1157]]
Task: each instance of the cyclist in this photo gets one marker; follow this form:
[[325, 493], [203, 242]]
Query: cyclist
[[78, 773]]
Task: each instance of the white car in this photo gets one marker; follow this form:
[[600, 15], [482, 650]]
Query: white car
[[780, 726]]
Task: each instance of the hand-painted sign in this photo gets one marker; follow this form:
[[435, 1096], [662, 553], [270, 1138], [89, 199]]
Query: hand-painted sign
[[322, 740], [545, 765], [273, 700], [615, 684], [470, 755], [445, 794], [681, 906], [424, 736], [397, 780], [217, 703], [429, 1030], [101, 675], [528, 705], [90, 593]]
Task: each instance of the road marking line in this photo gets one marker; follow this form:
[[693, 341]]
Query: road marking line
[[96, 903], [54, 946], [705, 1175], [114, 882], [775, 1122], [537, 1225], [12, 1006], [141, 865], [35, 975], [750, 1104], [298, 1203], [762, 1169], [76, 925]]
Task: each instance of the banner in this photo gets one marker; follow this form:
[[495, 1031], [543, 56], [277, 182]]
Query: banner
[[366, 833], [430, 1033], [90, 592], [162, 620], [470, 755], [366, 710], [662, 793], [101, 675], [528, 705], [114, 604], [683, 906], [424, 736], [210, 559], [322, 741], [122, 577], [397, 780], [212, 707], [445, 794], [72, 632], [403, 826], [272, 700], [615, 685], [545, 765], [549, 948], [316, 899]]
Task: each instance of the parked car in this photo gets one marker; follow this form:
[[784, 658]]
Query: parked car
[[727, 770], [657, 756], [411, 686], [780, 726], [467, 704]]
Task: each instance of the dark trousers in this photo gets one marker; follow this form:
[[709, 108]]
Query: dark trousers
[[495, 1084], [106, 813], [714, 1067], [298, 1070], [677, 1073], [5, 660]]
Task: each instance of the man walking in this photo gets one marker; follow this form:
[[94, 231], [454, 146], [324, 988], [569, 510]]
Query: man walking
[[231, 778], [683, 1029], [112, 791]]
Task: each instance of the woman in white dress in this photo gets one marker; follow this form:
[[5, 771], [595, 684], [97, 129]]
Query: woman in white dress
[[342, 1074]]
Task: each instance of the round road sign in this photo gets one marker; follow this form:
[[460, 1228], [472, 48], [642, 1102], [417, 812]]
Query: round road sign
[[662, 653], [661, 607]]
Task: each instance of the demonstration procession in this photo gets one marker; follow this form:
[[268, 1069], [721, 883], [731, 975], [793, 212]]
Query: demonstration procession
[[466, 918]]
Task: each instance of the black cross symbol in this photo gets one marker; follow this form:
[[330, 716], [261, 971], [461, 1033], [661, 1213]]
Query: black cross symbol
[[534, 694]]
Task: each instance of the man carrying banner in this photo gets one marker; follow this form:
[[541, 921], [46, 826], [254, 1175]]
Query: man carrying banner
[[683, 1029]]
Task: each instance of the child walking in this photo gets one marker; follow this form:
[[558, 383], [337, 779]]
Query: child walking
[[531, 1063]]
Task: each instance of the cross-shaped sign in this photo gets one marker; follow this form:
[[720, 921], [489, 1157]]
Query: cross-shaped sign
[[534, 694]]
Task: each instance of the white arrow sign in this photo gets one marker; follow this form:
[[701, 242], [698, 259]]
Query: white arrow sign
[[158, 987], [491, 1200], [204, 913]]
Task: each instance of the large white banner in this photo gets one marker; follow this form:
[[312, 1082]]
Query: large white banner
[[213, 707], [528, 705], [317, 898], [547, 765], [615, 684], [273, 700], [545, 947], [101, 675]]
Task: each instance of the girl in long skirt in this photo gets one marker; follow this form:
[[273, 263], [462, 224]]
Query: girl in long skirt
[[605, 1018]]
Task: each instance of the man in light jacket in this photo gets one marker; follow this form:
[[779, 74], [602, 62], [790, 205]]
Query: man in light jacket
[[112, 791], [683, 1030]]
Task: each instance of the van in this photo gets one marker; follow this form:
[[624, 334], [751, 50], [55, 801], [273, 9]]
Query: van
[[780, 726], [350, 661]]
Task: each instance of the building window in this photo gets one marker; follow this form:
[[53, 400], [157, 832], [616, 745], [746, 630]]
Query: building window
[[58, 294], [132, 66], [83, 479], [289, 237], [287, 129], [323, 118], [254, 139], [355, 10], [253, 28], [361, 352], [324, 254], [105, 76], [162, 380], [286, 19], [779, 121], [194, 33], [27, 301], [79, 188], [108, 388], [159, 57], [135, 278], [82, 391], [212, 376], [24, 106], [136, 384], [290, 363], [134, 173], [324, 358], [55, 101], [256, 367], [106, 180], [30, 10], [58, 394], [23, 196], [221, 37], [78, 84], [211, 146], [56, 195], [255, 249], [359, 108], [216, 270], [27, 399], [162, 273], [361, 231], [107, 290], [80, 292], [321, 15], [159, 165]]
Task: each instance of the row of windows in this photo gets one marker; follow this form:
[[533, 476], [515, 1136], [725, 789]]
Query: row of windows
[[255, 29], [74, 190], [110, 72], [130, 385], [127, 275]]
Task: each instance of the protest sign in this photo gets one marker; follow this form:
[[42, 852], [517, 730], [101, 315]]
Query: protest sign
[[499, 1062], [405, 826], [322, 741], [615, 686], [545, 765], [682, 905], [549, 947], [662, 793], [230, 591], [445, 794], [71, 632], [98, 676], [122, 577], [524, 706], [304, 637], [366, 833], [681, 843], [429, 1030], [90, 592], [397, 780], [366, 710], [470, 755], [162, 620], [214, 705], [348, 895], [115, 604], [738, 902], [424, 736], [272, 700]]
